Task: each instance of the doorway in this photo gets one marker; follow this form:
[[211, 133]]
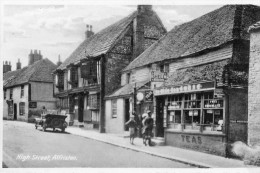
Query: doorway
[[80, 107], [15, 111], [159, 117], [127, 114]]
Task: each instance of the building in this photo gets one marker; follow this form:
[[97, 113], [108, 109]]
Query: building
[[254, 83], [93, 70], [28, 89], [197, 77]]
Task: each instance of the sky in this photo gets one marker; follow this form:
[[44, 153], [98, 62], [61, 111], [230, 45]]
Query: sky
[[59, 29]]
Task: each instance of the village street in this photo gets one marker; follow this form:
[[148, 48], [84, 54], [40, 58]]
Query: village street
[[24, 146]]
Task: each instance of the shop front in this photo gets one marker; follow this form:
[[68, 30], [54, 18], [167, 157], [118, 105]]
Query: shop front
[[194, 116]]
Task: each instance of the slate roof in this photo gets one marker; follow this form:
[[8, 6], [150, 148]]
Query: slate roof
[[254, 27], [206, 32], [127, 89], [39, 71], [100, 43]]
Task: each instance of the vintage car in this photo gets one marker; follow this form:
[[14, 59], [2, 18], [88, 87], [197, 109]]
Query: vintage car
[[51, 121]]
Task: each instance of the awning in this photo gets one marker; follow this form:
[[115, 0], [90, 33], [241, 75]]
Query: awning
[[127, 90]]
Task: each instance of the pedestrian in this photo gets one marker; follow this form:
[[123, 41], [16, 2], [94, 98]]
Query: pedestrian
[[148, 128], [132, 124]]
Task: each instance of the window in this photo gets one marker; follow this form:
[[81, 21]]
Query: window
[[10, 109], [73, 76], [4, 93], [22, 91], [22, 108], [60, 81], [11, 93], [164, 68], [128, 78], [114, 108]]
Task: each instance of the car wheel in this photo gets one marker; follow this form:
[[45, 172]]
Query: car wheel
[[36, 126], [44, 128], [63, 130]]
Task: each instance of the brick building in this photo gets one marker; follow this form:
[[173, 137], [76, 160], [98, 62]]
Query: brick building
[[28, 89], [198, 74], [93, 70], [254, 83]]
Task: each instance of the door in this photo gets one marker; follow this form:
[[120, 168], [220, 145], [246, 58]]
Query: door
[[80, 108], [127, 114], [15, 111], [159, 117]]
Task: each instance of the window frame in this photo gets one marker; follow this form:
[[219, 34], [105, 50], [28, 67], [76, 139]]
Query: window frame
[[22, 91], [22, 108], [114, 108], [5, 94]]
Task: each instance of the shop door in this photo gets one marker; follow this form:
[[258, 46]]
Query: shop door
[[159, 117], [15, 111], [127, 114], [80, 108]]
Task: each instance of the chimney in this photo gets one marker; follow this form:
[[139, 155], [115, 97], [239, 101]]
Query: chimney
[[144, 9], [59, 62], [31, 58], [7, 67], [89, 32], [18, 65]]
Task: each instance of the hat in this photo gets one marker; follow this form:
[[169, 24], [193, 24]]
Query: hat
[[148, 111], [144, 115]]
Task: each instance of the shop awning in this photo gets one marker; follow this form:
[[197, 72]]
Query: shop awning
[[127, 90]]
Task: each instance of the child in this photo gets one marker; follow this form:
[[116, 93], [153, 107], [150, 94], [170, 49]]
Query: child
[[132, 124]]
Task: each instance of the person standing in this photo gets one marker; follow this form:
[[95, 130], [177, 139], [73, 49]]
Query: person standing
[[148, 129], [132, 124]]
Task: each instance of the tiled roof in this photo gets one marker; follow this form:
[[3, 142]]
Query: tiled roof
[[208, 31], [99, 43], [39, 71], [127, 89], [254, 27]]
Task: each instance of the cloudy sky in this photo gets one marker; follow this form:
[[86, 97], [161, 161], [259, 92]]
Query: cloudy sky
[[59, 29]]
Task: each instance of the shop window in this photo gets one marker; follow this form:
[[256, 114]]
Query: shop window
[[11, 93], [93, 101], [4, 94], [114, 108], [212, 113], [22, 91], [22, 108]]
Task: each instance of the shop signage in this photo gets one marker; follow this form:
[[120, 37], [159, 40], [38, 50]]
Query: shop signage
[[32, 104], [149, 96], [191, 139], [185, 88], [157, 76], [219, 93], [238, 121], [140, 96]]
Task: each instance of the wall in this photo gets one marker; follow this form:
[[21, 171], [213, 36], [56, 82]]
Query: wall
[[115, 125], [42, 91], [213, 144], [238, 103], [17, 99], [254, 91], [210, 57]]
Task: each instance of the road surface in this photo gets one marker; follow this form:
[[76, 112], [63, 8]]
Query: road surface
[[26, 147]]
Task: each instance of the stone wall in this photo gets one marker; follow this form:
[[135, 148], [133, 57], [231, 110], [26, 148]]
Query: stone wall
[[254, 90]]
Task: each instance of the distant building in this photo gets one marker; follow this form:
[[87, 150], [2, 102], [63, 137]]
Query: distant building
[[28, 89], [254, 84]]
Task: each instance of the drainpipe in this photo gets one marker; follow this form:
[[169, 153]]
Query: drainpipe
[[102, 95]]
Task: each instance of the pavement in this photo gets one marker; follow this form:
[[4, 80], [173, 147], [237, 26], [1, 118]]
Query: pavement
[[193, 158]]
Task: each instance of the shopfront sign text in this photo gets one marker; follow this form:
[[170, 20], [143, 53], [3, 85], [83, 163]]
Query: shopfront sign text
[[157, 76], [184, 88], [191, 139]]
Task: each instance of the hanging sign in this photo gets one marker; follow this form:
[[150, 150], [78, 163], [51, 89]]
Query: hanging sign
[[157, 76], [140, 96], [165, 116], [149, 96], [32, 104]]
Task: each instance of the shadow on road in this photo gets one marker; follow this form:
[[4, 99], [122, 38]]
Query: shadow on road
[[51, 131]]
